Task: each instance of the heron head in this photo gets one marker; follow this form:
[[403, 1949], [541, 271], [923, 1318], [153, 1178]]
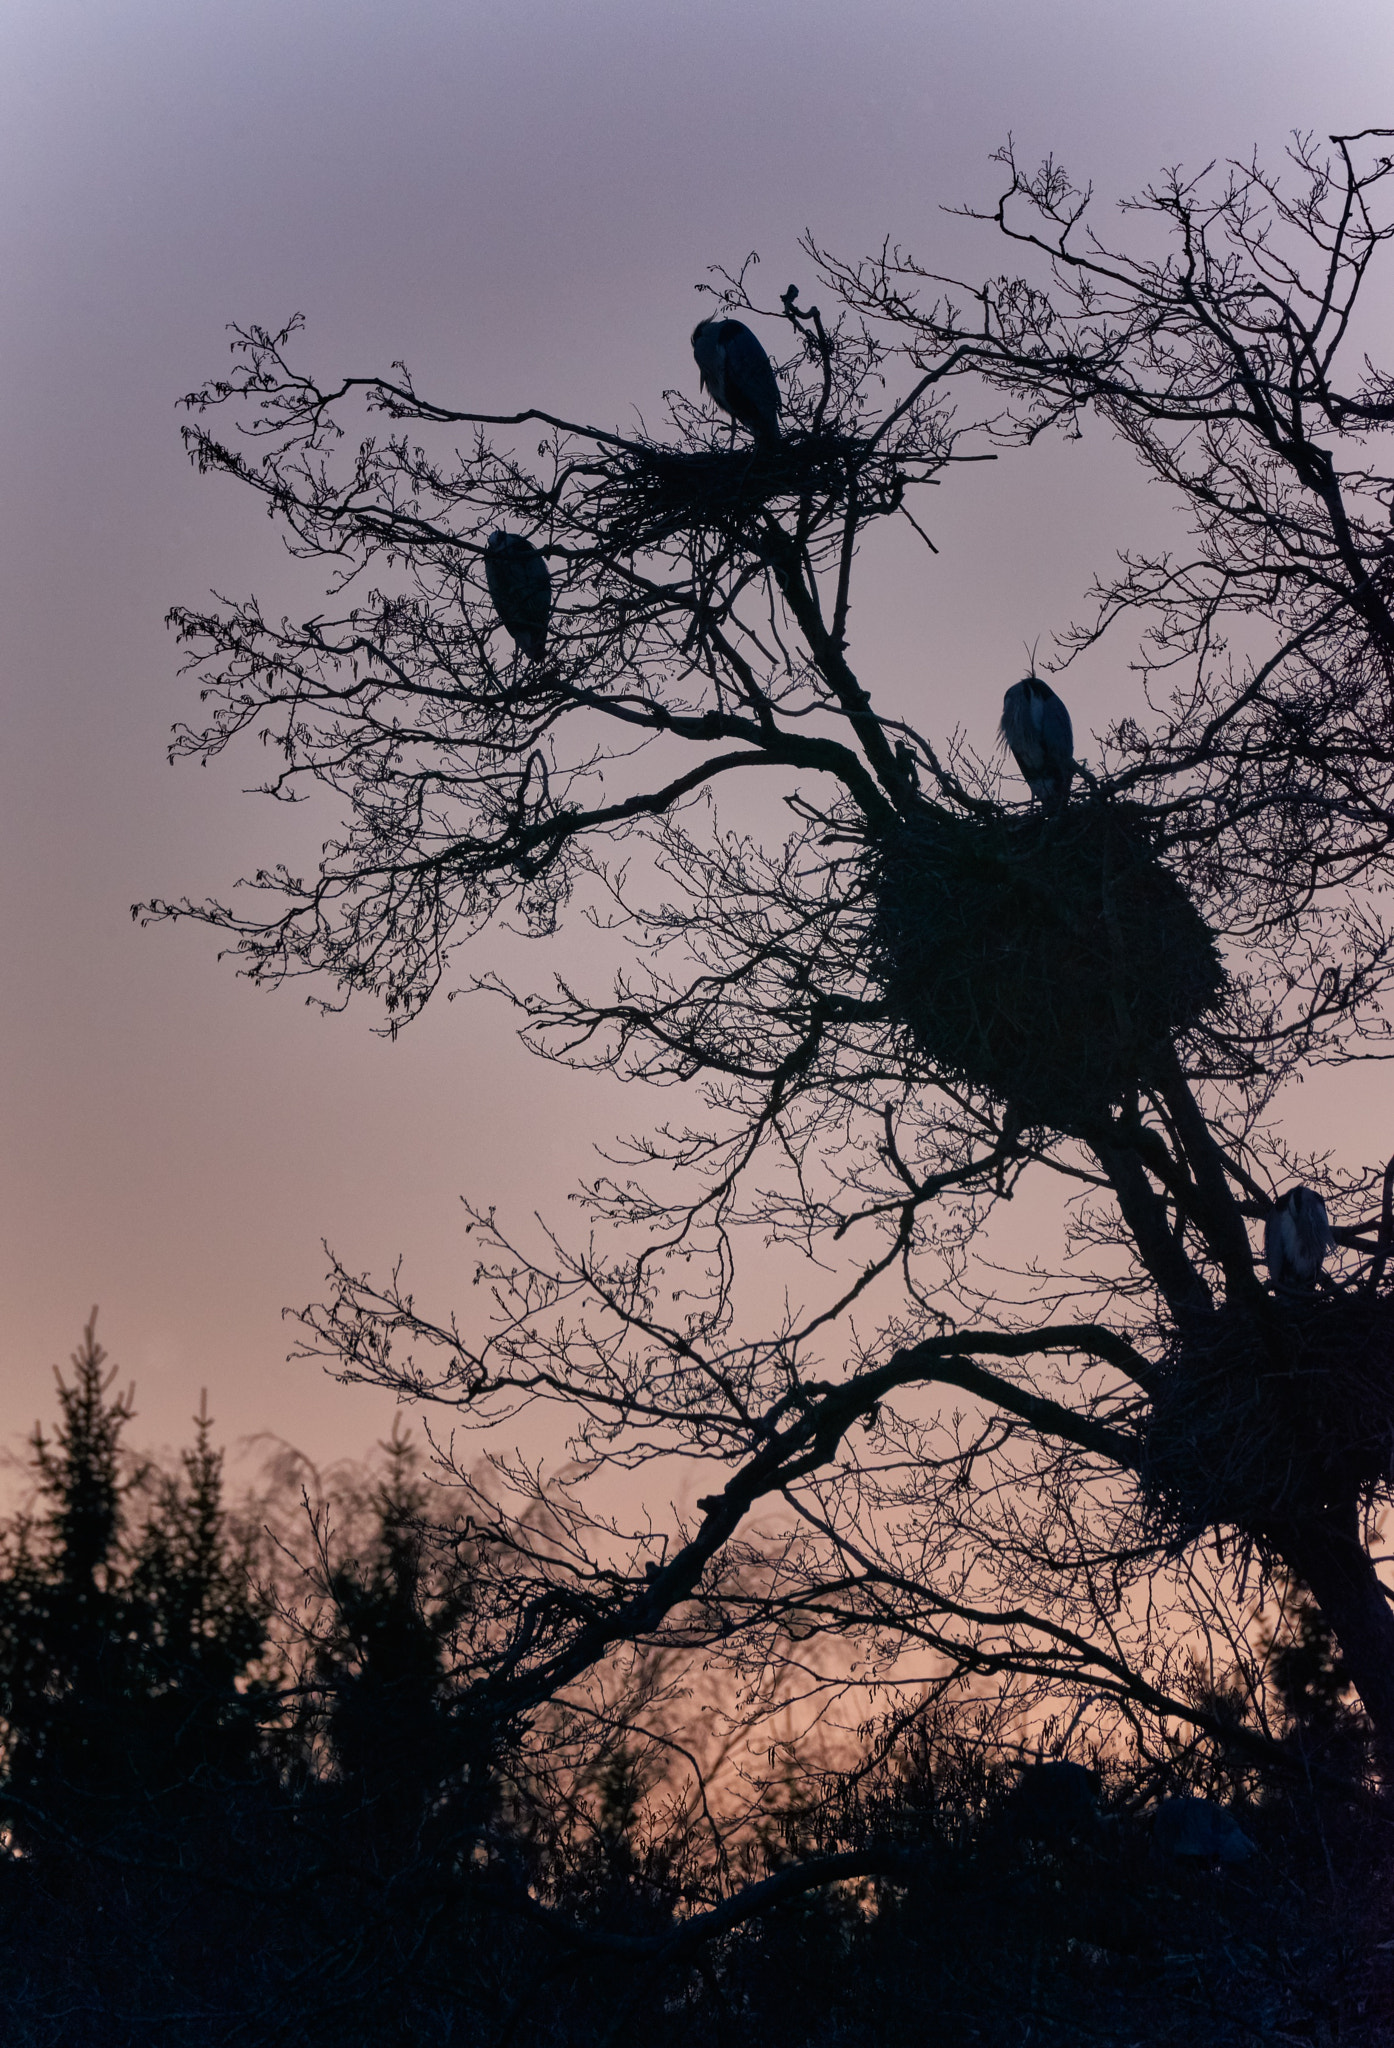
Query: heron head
[[1020, 702]]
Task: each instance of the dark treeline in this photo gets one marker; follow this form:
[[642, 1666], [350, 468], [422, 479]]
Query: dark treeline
[[244, 1800]]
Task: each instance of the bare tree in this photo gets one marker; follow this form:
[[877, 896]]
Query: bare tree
[[880, 1027]]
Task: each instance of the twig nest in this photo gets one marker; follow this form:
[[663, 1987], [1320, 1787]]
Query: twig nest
[[653, 491], [1237, 1435], [1050, 960]]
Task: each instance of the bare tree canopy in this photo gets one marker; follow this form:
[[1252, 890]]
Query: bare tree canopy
[[928, 993]]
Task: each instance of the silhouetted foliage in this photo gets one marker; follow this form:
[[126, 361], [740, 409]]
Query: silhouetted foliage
[[1308, 1671], [386, 1664], [303, 1857], [128, 1627]]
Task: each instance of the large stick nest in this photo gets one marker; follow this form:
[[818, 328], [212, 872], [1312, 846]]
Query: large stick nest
[[652, 492], [1239, 1434], [1050, 960]]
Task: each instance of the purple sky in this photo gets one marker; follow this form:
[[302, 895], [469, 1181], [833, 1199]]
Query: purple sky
[[518, 200]]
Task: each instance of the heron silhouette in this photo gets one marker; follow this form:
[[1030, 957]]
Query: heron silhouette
[[1296, 1238], [521, 588], [739, 376], [1036, 727]]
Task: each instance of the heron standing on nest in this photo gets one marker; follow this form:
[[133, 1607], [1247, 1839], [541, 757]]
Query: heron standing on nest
[[739, 376], [1036, 726], [521, 588], [1296, 1238]]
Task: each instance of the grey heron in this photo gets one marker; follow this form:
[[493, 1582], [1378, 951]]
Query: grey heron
[[521, 588], [738, 374], [1296, 1238], [1036, 726]]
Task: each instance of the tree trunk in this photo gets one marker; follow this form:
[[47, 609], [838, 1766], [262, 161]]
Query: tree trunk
[[1327, 1554]]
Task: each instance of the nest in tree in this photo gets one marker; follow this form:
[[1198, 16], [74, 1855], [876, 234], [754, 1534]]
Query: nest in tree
[[1237, 1435], [653, 492], [1050, 960]]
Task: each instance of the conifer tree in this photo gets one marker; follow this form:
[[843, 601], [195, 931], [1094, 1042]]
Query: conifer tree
[[124, 1650], [386, 1657]]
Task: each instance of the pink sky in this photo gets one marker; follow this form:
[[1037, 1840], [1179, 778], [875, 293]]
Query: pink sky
[[519, 201]]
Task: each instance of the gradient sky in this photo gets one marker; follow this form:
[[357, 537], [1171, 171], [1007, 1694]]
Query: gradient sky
[[519, 201]]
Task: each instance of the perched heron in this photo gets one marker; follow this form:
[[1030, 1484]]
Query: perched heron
[[739, 376], [1296, 1238], [521, 588], [1036, 726]]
